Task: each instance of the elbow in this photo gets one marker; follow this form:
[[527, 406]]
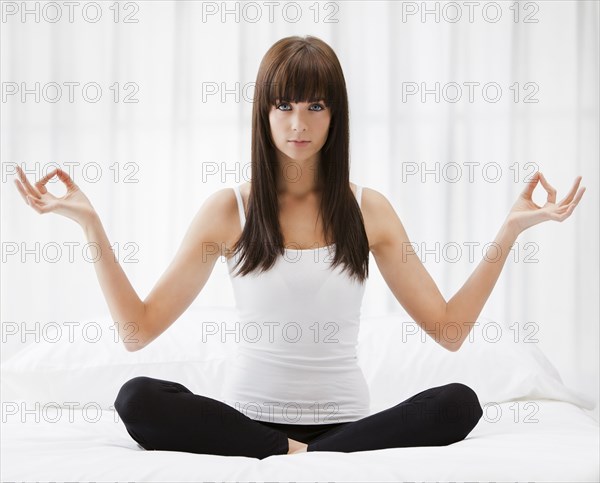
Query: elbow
[[138, 334], [449, 346], [131, 347], [453, 346], [449, 343], [451, 333], [133, 342]]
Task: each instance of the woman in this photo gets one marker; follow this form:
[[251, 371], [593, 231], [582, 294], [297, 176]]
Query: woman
[[299, 237]]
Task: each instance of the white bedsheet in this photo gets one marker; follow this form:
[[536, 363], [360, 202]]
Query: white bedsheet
[[563, 445]]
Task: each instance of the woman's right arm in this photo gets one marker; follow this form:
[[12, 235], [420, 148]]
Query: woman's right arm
[[126, 308], [140, 322]]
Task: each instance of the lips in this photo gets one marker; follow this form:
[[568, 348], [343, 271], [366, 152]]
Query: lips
[[299, 141]]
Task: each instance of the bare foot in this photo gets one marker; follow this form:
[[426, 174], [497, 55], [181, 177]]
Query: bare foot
[[296, 446], [300, 450]]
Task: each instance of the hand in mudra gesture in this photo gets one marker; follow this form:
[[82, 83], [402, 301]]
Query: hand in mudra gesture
[[525, 213], [73, 204]]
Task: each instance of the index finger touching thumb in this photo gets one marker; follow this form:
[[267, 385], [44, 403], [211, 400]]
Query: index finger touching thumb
[[65, 178]]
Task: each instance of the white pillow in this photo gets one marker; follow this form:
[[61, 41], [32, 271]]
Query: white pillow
[[400, 360], [92, 365], [397, 358]]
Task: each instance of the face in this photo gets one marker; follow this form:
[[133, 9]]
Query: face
[[308, 121]]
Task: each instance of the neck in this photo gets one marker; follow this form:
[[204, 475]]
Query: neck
[[299, 179]]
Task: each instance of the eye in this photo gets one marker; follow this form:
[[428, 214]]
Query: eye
[[320, 106]]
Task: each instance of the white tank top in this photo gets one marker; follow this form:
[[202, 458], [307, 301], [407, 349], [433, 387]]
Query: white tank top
[[297, 327]]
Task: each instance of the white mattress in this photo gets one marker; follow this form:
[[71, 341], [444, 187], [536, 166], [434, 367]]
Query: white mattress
[[563, 445]]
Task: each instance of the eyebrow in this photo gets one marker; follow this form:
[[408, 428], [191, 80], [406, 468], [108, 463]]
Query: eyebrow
[[310, 101]]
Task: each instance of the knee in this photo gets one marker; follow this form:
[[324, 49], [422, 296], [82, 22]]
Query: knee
[[467, 397], [129, 402], [463, 406]]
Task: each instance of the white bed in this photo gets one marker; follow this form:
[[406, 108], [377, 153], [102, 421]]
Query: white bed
[[533, 429]]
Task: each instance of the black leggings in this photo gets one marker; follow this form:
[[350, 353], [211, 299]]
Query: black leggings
[[165, 415]]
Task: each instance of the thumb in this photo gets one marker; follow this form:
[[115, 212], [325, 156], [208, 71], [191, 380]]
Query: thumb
[[531, 184], [66, 179]]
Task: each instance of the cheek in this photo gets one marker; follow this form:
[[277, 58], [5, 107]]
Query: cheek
[[273, 125], [275, 122], [325, 127]]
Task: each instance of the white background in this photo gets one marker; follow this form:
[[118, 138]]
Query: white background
[[176, 136]]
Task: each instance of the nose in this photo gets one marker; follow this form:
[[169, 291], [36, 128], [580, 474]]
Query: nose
[[298, 121]]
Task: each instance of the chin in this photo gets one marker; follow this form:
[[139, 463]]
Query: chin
[[295, 156]]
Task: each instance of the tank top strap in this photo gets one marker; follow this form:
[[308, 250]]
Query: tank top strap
[[240, 203], [358, 194]]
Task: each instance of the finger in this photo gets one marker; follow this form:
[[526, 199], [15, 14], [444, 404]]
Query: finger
[[40, 185], [34, 203], [43, 207], [66, 179], [563, 214], [565, 211], [567, 199], [531, 184], [30, 189], [21, 191], [579, 195], [575, 201], [560, 209], [551, 191]]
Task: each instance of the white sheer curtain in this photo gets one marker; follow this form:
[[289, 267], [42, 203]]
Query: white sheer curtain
[[451, 169]]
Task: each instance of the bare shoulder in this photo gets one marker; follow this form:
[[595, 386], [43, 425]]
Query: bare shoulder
[[223, 201], [215, 219], [373, 198], [378, 214]]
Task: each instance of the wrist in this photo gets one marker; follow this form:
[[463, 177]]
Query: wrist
[[89, 221], [511, 228]]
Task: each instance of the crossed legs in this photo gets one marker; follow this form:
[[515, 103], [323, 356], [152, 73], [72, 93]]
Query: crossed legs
[[165, 415]]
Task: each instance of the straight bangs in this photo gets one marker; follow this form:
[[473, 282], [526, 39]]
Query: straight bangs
[[304, 76]]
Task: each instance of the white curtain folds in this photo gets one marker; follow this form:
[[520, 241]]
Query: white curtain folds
[[452, 105]]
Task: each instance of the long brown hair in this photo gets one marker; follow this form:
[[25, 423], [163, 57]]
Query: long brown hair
[[302, 69]]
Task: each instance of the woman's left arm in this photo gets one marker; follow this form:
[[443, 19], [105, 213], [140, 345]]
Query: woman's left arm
[[463, 309], [414, 288]]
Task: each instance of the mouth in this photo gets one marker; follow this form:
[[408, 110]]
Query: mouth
[[299, 141]]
